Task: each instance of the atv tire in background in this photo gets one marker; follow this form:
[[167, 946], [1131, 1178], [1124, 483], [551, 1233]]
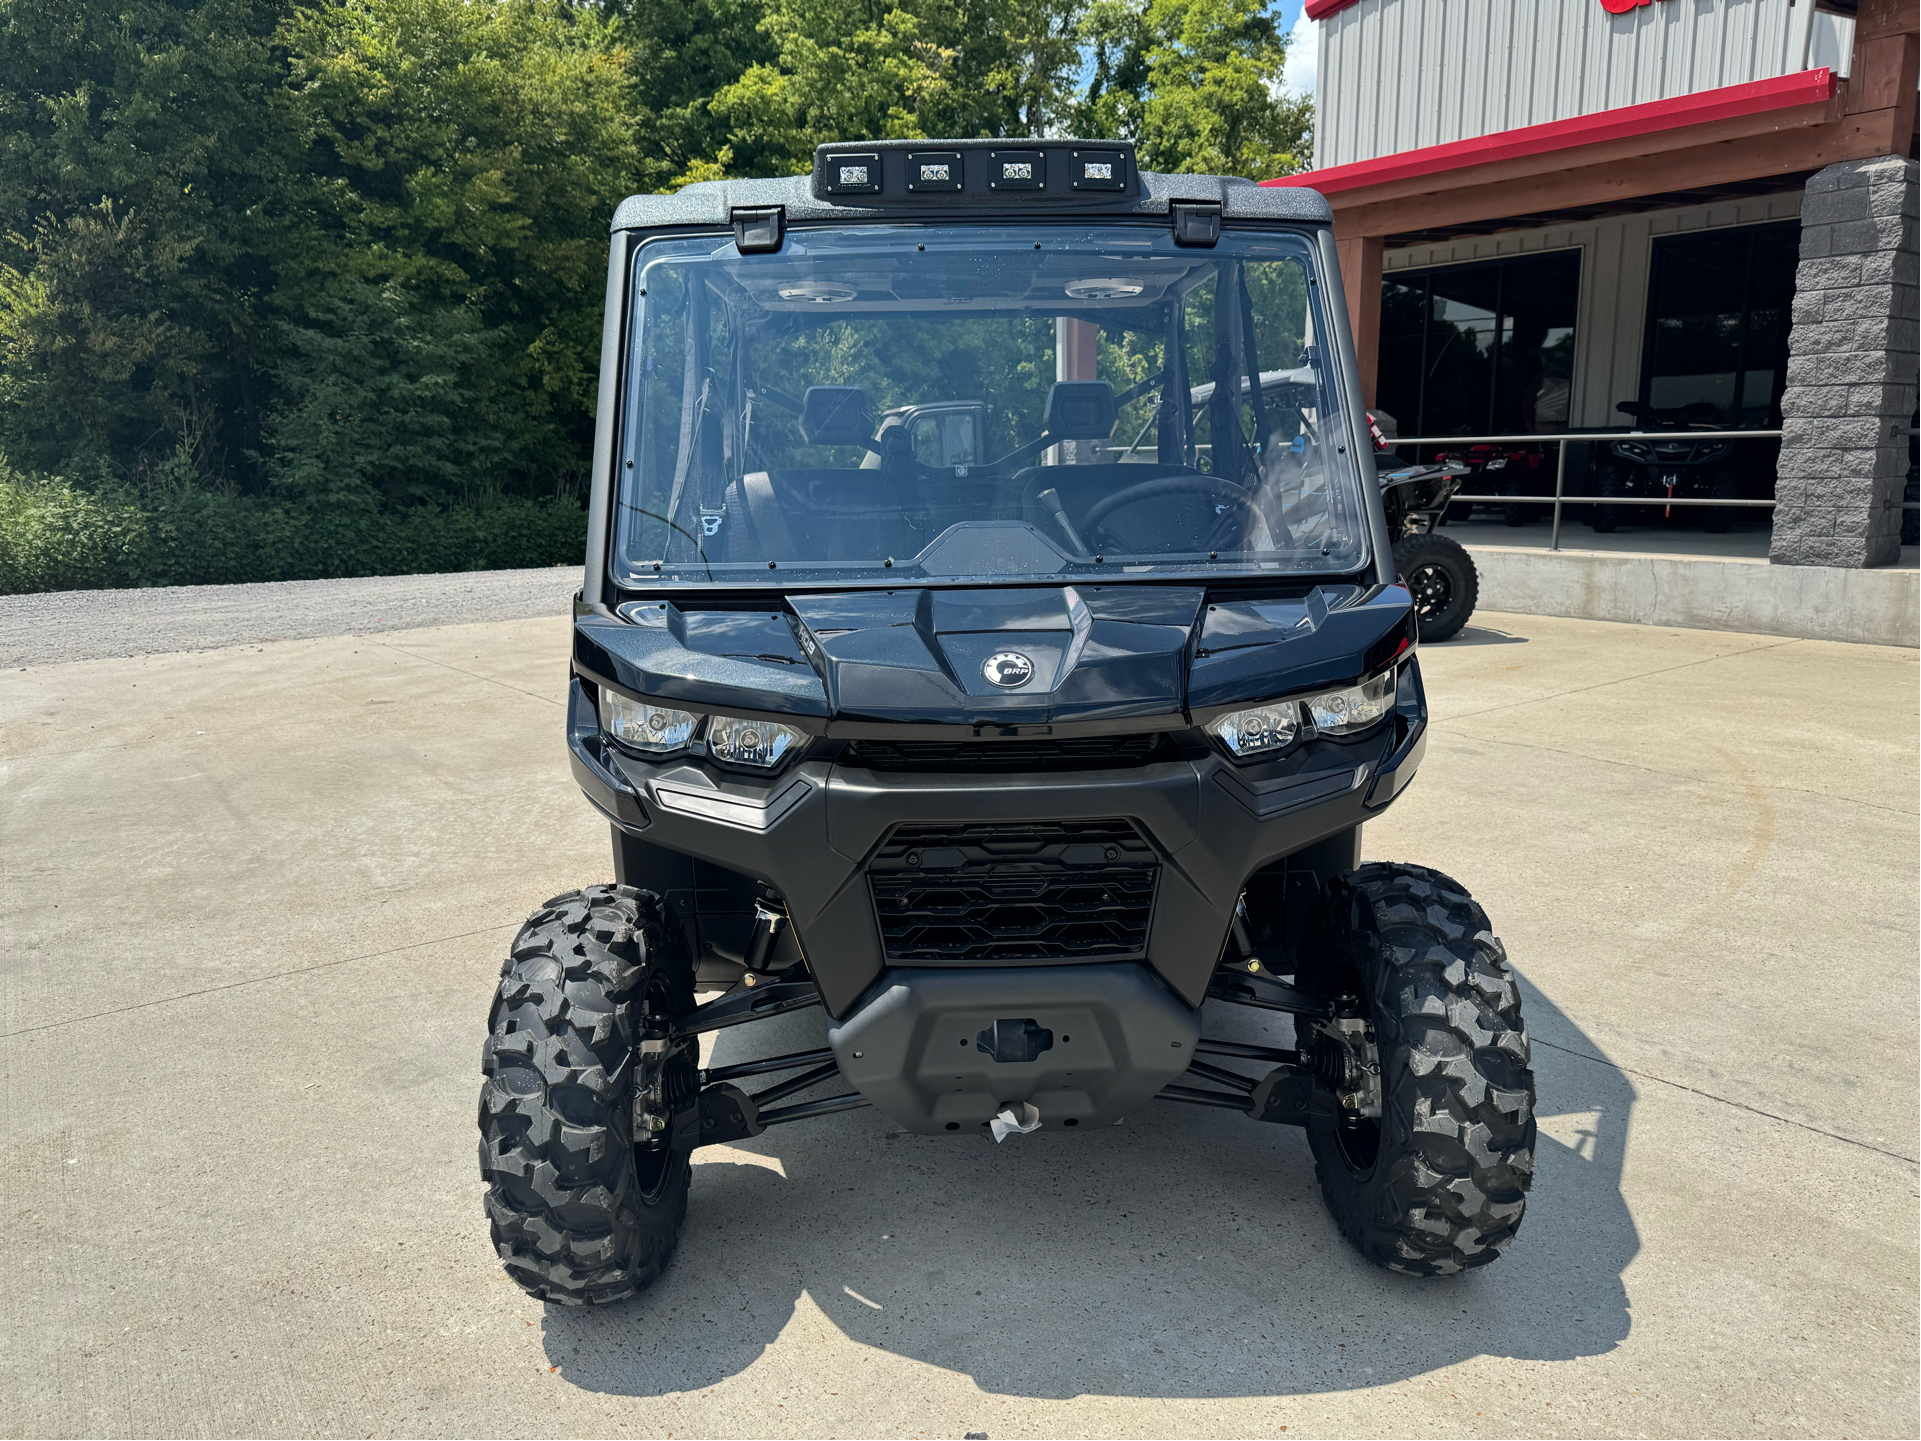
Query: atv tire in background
[[1724, 484], [1439, 572], [1606, 519], [1437, 1181], [579, 1212]]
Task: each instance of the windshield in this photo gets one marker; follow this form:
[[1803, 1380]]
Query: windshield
[[891, 404]]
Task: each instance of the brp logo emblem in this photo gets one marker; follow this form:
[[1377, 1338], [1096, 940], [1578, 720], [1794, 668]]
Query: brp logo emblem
[[1008, 668]]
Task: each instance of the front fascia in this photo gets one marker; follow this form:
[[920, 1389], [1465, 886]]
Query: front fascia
[[811, 831]]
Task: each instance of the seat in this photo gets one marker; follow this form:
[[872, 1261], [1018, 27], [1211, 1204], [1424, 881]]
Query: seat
[[822, 515]]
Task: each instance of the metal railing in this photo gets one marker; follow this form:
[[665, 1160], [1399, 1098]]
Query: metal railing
[[1560, 498]]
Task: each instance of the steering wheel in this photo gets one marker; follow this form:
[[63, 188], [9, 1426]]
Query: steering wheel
[[1146, 490]]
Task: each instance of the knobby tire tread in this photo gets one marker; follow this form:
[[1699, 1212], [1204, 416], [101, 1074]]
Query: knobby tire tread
[[1413, 551], [1448, 1186], [569, 1216]]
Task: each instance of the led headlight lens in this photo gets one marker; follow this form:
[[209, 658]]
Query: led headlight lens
[[1342, 712], [645, 727], [1259, 729], [751, 742]]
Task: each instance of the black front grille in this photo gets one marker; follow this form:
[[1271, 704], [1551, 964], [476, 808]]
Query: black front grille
[[1066, 754], [1039, 890]]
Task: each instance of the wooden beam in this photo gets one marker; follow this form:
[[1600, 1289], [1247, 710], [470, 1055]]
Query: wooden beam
[[1876, 18], [1856, 137], [1885, 58], [1360, 257]]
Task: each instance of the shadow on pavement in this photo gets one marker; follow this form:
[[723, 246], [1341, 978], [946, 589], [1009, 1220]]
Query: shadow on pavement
[[1185, 1253], [1473, 635]]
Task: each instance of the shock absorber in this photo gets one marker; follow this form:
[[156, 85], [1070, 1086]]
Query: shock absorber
[[767, 928]]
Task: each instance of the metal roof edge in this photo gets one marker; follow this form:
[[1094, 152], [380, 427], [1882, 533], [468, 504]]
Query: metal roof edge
[[1802, 87]]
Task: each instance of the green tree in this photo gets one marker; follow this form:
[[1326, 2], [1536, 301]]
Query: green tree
[[376, 402], [135, 160], [1196, 84], [470, 155], [681, 56], [899, 69]]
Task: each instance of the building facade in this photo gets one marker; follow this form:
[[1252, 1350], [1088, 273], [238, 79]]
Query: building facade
[[1555, 215]]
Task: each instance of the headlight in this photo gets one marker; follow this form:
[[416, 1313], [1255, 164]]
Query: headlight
[[1342, 712], [1262, 728], [751, 742], [651, 728]]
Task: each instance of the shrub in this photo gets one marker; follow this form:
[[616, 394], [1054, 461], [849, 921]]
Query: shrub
[[55, 535]]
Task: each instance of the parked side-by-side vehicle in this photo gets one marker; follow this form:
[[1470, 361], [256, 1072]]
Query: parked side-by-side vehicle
[[991, 640]]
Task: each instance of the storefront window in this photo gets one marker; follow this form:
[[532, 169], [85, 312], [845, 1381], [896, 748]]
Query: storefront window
[[1483, 349], [1718, 314]]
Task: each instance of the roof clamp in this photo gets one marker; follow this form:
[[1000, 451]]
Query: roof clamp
[[1195, 223], [759, 230]]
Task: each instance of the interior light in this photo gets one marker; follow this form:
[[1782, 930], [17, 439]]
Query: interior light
[[818, 292], [1101, 289]]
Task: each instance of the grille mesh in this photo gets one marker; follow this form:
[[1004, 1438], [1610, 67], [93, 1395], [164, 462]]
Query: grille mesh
[[1038, 890]]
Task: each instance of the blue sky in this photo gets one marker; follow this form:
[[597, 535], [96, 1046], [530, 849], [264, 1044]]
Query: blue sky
[[1301, 54]]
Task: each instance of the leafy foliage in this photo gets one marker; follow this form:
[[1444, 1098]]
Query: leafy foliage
[[1196, 83], [323, 278]]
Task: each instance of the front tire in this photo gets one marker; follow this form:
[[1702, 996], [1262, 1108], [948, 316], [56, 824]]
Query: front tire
[[1437, 1183], [579, 1213], [1441, 576]]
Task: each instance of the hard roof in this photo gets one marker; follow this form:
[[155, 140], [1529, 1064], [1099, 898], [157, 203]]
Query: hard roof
[[1055, 179]]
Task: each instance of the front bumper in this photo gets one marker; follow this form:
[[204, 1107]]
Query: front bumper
[[812, 831], [1104, 1039]]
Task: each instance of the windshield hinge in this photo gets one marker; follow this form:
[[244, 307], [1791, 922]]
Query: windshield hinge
[[1195, 224], [759, 230]]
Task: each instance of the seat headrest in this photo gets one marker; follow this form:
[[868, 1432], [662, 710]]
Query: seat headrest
[[836, 415], [1080, 410]]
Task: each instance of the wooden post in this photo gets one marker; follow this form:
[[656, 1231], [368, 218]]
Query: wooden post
[[1361, 279]]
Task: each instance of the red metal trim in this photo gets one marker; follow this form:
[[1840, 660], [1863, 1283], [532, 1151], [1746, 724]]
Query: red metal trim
[[1805, 87], [1321, 9]]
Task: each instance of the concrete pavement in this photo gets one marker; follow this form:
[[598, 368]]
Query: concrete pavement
[[253, 906]]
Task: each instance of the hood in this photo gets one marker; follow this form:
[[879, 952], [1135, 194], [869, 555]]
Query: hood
[[1013, 656]]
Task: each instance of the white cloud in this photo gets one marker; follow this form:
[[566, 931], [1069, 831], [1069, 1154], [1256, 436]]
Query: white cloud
[[1303, 51]]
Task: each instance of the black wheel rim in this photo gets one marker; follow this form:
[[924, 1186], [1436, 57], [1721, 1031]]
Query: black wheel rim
[[1433, 590], [1359, 1138]]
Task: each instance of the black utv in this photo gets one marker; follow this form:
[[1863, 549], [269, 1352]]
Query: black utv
[[1020, 748]]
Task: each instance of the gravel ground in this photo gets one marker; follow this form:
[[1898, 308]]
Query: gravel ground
[[67, 625]]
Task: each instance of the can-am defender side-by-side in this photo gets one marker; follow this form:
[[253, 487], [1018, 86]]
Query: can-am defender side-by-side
[[974, 646]]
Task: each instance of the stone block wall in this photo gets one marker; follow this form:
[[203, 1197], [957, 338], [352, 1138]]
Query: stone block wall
[[1851, 368]]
